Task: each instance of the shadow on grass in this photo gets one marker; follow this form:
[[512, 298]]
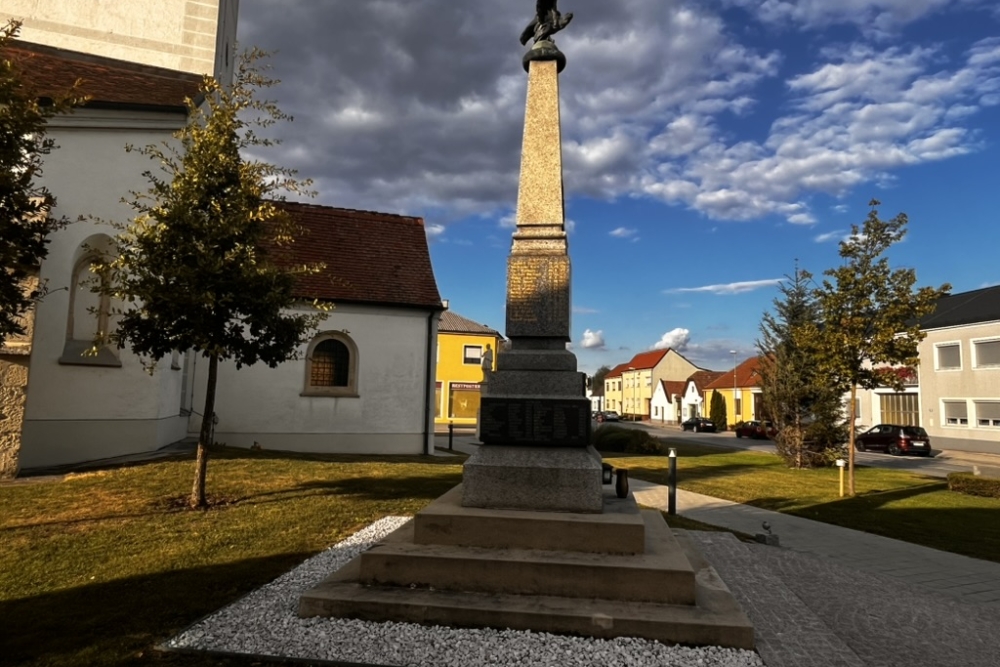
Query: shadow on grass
[[112, 623], [368, 488], [686, 473]]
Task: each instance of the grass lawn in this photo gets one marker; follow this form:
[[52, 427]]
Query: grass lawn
[[896, 504], [98, 568]]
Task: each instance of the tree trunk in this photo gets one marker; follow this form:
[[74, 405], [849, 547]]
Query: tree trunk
[[850, 441], [198, 499]]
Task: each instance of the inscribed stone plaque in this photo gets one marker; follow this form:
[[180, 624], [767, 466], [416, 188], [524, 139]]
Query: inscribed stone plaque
[[538, 296], [535, 421]]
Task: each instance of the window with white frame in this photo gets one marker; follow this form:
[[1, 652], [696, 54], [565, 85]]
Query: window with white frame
[[986, 353], [472, 354], [956, 413], [987, 413], [949, 357]]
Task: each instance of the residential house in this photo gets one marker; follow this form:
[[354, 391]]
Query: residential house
[[613, 389], [462, 345], [959, 403], [691, 402], [643, 374], [741, 390], [665, 406]]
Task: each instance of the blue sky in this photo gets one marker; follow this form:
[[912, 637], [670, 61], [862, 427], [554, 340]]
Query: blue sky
[[707, 145]]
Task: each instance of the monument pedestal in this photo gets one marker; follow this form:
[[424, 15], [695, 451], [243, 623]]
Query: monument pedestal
[[620, 573], [547, 479]]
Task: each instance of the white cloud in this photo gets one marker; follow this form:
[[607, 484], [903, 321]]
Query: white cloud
[[830, 236], [876, 16], [582, 310], [433, 230], [592, 340], [729, 288], [415, 130], [623, 233], [676, 339]]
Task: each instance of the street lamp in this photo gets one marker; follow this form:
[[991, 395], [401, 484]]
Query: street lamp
[[632, 368], [735, 417]]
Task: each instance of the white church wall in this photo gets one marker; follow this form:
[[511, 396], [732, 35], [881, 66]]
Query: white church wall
[[265, 405], [84, 412]]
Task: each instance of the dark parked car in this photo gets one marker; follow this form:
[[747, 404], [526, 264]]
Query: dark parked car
[[894, 439], [607, 416], [697, 424], [759, 430]]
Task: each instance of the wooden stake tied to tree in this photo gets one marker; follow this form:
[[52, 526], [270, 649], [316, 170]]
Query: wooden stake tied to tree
[[203, 264]]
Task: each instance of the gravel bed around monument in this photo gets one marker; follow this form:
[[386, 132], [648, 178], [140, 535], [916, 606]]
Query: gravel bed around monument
[[264, 623]]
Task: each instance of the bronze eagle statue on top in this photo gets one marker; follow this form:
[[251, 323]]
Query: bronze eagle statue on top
[[548, 21]]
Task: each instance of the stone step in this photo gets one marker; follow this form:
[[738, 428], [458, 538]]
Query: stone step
[[619, 529], [660, 574], [714, 619]]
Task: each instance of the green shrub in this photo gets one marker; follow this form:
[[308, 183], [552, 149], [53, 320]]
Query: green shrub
[[609, 438], [974, 485]]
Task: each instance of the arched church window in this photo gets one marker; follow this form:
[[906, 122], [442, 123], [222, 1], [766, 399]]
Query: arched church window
[[331, 365]]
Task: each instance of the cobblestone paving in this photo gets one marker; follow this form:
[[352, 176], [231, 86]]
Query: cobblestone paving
[[797, 600], [786, 631]]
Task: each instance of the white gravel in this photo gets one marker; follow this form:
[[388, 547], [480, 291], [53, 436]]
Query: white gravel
[[264, 623]]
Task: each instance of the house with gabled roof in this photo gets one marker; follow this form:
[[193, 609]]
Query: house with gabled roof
[[466, 352], [692, 403], [363, 384], [740, 387], [613, 388], [639, 378]]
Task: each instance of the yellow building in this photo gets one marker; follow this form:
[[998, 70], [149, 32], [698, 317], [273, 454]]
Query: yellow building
[[461, 345], [741, 390]]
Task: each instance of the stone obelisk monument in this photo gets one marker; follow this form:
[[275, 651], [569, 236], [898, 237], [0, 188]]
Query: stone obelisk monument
[[530, 540], [534, 416]]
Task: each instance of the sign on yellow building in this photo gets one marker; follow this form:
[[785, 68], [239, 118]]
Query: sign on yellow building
[[462, 346]]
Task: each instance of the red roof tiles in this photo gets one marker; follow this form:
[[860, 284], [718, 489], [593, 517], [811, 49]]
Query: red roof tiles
[[747, 375], [50, 71], [673, 387], [702, 379], [376, 258], [645, 360]]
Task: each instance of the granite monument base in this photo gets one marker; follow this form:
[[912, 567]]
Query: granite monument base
[[532, 421], [547, 479], [525, 570]]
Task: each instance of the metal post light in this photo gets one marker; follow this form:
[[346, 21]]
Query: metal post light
[[633, 390], [735, 419], [672, 483]]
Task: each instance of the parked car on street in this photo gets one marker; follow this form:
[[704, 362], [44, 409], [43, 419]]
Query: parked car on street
[[608, 416], [759, 430], [894, 439], [698, 424]]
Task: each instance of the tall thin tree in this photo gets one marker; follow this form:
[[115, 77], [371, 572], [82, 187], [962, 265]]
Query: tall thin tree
[[200, 267], [869, 315]]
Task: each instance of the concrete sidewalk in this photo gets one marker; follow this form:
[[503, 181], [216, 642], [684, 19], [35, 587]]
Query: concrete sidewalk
[[947, 574]]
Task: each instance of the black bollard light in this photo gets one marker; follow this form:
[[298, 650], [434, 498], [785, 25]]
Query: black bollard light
[[672, 488], [451, 434]]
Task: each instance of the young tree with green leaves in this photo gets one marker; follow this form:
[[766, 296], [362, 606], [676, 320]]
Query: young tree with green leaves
[[717, 411], [25, 206], [869, 315], [199, 267], [805, 410]]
